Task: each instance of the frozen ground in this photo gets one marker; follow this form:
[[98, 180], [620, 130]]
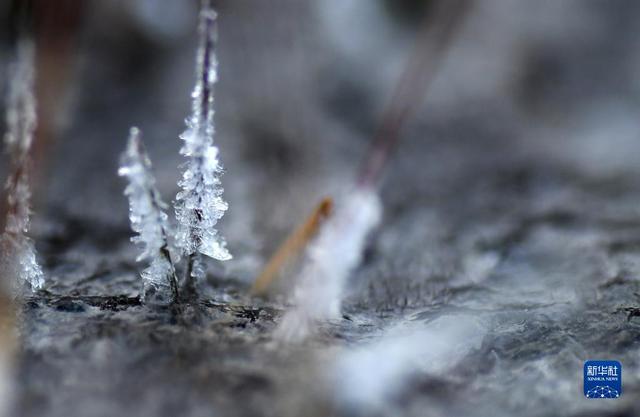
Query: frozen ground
[[508, 254], [536, 264]]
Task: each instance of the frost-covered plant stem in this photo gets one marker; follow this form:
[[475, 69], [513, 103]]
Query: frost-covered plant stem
[[199, 204], [18, 257], [148, 219], [334, 254], [337, 250]]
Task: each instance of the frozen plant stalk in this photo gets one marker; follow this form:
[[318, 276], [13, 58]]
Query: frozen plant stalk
[[334, 254], [18, 263], [148, 219], [199, 204]]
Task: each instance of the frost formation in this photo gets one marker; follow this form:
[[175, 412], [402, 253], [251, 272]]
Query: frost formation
[[148, 219], [18, 263], [331, 258], [368, 377], [199, 204]]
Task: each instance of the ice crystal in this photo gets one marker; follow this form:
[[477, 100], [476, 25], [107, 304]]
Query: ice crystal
[[331, 258], [148, 218], [199, 204], [19, 265]]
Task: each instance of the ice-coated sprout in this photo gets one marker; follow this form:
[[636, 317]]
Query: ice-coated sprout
[[331, 258], [18, 263], [148, 219], [199, 204]]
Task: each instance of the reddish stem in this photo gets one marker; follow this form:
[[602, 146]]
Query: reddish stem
[[433, 40]]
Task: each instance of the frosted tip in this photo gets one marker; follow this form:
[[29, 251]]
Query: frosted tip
[[135, 143], [206, 11]]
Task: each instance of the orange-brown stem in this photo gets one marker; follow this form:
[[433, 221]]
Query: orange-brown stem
[[292, 246]]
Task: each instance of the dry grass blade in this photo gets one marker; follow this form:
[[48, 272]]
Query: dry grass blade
[[292, 246]]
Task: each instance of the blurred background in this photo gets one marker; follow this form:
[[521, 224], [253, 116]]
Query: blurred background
[[515, 186], [303, 86]]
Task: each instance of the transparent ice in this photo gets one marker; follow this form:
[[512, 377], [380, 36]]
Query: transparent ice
[[147, 216], [18, 262], [199, 204]]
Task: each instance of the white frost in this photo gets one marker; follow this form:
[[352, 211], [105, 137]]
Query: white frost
[[21, 104], [147, 216], [331, 258], [199, 204], [18, 262], [366, 378]]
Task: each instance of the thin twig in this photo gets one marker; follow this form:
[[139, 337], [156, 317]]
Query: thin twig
[[292, 246], [204, 73], [433, 41]]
